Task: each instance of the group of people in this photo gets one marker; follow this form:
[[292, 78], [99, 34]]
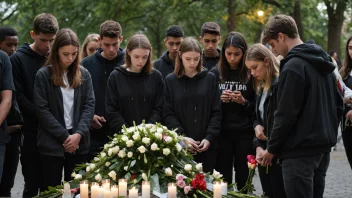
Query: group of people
[[227, 103]]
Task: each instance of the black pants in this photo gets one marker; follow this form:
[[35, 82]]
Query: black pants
[[347, 142], [233, 154], [304, 176], [271, 180], [30, 164], [51, 172], [10, 164], [207, 158]]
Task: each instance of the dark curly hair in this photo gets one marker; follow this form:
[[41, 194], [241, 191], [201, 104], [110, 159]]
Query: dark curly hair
[[174, 31]]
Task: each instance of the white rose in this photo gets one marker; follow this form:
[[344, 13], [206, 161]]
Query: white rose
[[168, 139], [122, 154], [188, 167], [168, 172], [164, 127], [146, 140], [136, 136], [199, 167], [112, 174], [141, 149], [98, 177], [87, 169], [178, 147], [148, 126], [158, 136], [124, 138], [154, 147], [115, 139], [97, 171], [125, 168], [102, 155], [92, 166], [216, 174], [130, 154], [129, 143], [130, 130], [174, 134], [73, 175], [115, 149], [106, 146], [159, 130], [144, 176], [78, 176], [96, 159], [166, 151], [107, 164], [109, 152], [153, 129]]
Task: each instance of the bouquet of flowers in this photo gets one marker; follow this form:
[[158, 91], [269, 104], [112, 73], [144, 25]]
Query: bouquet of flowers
[[148, 152]]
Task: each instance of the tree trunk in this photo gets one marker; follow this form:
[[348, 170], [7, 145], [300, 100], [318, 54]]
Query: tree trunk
[[298, 18], [231, 20], [336, 18]]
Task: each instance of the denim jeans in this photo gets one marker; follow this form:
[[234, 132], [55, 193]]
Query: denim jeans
[[2, 158], [304, 176]]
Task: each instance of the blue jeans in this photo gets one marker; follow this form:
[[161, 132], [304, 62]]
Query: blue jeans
[[304, 176], [2, 158]]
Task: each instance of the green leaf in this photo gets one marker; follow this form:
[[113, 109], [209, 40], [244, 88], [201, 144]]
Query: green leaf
[[132, 163], [145, 159]]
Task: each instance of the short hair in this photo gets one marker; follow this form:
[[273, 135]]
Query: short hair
[[279, 23], [111, 29], [174, 31], [188, 45], [210, 28], [135, 42], [45, 23], [7, 31]]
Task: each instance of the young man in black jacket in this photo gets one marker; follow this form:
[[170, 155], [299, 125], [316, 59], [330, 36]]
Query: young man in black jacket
[[210, 38], [173, 38], [309, 107], [100, 65], [28, 59]]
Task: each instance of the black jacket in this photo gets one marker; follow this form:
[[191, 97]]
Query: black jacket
[[236, 118], [192, 105], [164, 64], [133, 97], [210, 62], [346, 123], [25, 65], [48, 101], [309, 104], [267, 122]]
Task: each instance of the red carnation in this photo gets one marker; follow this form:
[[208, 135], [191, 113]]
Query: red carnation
[[199, 183], [133, 176], [252, 161], [249, 157]]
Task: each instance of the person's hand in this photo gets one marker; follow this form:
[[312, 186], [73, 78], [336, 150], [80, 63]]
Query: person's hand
[[259, 154], [204, 145], [236, 96], [349, 115], [266, 158], [97, 121], [225, 96], [259, 132], [192, 145], [14, 128], [72, 142]]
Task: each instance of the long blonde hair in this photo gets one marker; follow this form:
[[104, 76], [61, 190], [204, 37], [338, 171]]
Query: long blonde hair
[[259, 52]]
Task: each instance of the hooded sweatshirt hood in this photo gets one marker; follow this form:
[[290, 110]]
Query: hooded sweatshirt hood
[[314, 55], [164, 64]]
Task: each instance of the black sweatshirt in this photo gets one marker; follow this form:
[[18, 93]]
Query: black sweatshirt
[[164, 64], [237, 118], [309, 104], [192, 105], [133, 97], [210, 62], [25, 64]]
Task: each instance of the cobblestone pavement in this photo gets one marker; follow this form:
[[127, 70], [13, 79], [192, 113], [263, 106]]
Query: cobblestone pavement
[[338, 178]]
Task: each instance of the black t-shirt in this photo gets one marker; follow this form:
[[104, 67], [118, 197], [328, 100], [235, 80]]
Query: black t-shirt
[[6, 83]]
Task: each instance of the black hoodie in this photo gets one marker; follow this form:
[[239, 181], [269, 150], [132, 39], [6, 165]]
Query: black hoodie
[[164, 64], [192, 105], [133, 97], [309, 104], [210, 62], [25, 64]]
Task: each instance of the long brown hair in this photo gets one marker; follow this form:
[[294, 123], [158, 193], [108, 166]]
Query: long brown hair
[[89, 38], [259, 52], [189, 44], [63, 38], [347, 64], [139, 41], [233, 39]]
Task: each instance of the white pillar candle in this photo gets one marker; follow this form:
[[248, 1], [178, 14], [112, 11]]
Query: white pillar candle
[[122, 187], [224, 188], [106, 183], [133, 193], [67, 191], [101, 192], [107, 193], [114, 191], [83, 187], [94, 188], [172, 191], [145, 189], [217, 190]]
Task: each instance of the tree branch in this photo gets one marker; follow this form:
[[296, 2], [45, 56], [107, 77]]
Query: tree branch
[[272, 2], [8, 16]]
